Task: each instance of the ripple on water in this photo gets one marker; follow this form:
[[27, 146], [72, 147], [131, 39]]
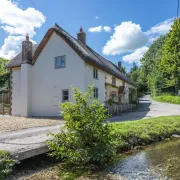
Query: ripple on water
[[161, 161]]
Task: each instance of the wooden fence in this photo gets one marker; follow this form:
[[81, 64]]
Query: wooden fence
[[116, 109], [4, 103]]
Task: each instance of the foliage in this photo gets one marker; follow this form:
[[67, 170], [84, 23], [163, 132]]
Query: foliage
[[132, 95], [150, 65], [160, 65], [4, 74], [168, 98], [123, 69], [170, 62], [85, 138], [136, 76], [142, 132], [6, 164]]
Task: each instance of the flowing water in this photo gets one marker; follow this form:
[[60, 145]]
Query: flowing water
[[159, 161]]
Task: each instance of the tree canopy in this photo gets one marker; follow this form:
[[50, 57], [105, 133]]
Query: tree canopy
[[160, 66], [4, 73]]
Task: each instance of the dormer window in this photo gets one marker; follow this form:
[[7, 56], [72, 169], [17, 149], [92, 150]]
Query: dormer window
[[60, 62], [95, 73], [114, 81]]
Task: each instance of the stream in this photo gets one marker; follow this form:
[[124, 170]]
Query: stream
[[158, 161]]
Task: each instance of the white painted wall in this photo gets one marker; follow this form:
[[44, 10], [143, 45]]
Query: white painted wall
[[47, 82], [16, 92], [37, 89], [26, 90], [99, 83]]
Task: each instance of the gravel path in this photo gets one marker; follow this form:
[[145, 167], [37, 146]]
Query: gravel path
[[11, 123], [148, 108]]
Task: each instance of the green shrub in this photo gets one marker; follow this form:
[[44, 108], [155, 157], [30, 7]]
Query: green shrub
[[168, 98], [85, 138], [6, 164]]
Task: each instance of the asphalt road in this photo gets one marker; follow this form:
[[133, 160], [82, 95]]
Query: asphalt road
[[148, 108]]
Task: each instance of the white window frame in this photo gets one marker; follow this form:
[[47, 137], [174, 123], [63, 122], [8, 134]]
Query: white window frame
[[61, 62], [95, 73], [64, 95], [96, 92]]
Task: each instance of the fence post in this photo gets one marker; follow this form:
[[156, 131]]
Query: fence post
[[2, 103]]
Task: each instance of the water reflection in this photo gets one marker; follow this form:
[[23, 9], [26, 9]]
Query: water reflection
[[160, 161]]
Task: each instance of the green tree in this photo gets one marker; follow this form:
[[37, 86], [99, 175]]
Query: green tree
[[150, 64], [123, 69], [170, 62], [86, 137], [136, 76], [4, 74]]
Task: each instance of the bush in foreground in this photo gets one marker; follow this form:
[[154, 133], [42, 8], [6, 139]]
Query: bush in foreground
[[127, 135], [85, 138], [168, 98], [6, 164], [143, 132]]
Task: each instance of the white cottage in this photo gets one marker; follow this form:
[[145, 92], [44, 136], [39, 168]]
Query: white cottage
[[42, 75]]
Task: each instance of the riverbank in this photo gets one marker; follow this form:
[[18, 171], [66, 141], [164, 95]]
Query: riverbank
[[143, 132], [167, 99], [127, 135]]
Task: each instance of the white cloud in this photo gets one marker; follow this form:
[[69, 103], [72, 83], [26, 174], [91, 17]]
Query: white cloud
[[160, 29], [97, 17], [99, 29], [107, 28], [136, 55], [17, 23], [127, 37], [95, 29], [12, 45]]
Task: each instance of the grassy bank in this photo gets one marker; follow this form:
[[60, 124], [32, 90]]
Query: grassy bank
[[168, 98], [143, 132], [127, 135]]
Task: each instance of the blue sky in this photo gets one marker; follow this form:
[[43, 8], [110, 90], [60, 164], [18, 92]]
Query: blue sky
[[132, 24]]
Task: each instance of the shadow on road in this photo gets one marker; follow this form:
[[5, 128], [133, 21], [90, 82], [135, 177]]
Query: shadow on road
[[140, 113]]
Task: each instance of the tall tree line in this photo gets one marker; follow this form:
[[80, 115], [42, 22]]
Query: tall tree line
[[160, 66]]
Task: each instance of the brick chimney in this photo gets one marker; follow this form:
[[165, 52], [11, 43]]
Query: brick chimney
[[27, 51], [81, 36], [119, 65]]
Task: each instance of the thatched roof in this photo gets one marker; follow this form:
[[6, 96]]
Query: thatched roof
[[83, 50]]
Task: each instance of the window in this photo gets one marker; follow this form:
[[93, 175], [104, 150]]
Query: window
[[113, 80], [95, 73], [60, 62], [65, 95], [95, 92]]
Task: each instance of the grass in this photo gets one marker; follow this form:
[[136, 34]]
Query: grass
[[143, 132], [168, 98], [127, 135]]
